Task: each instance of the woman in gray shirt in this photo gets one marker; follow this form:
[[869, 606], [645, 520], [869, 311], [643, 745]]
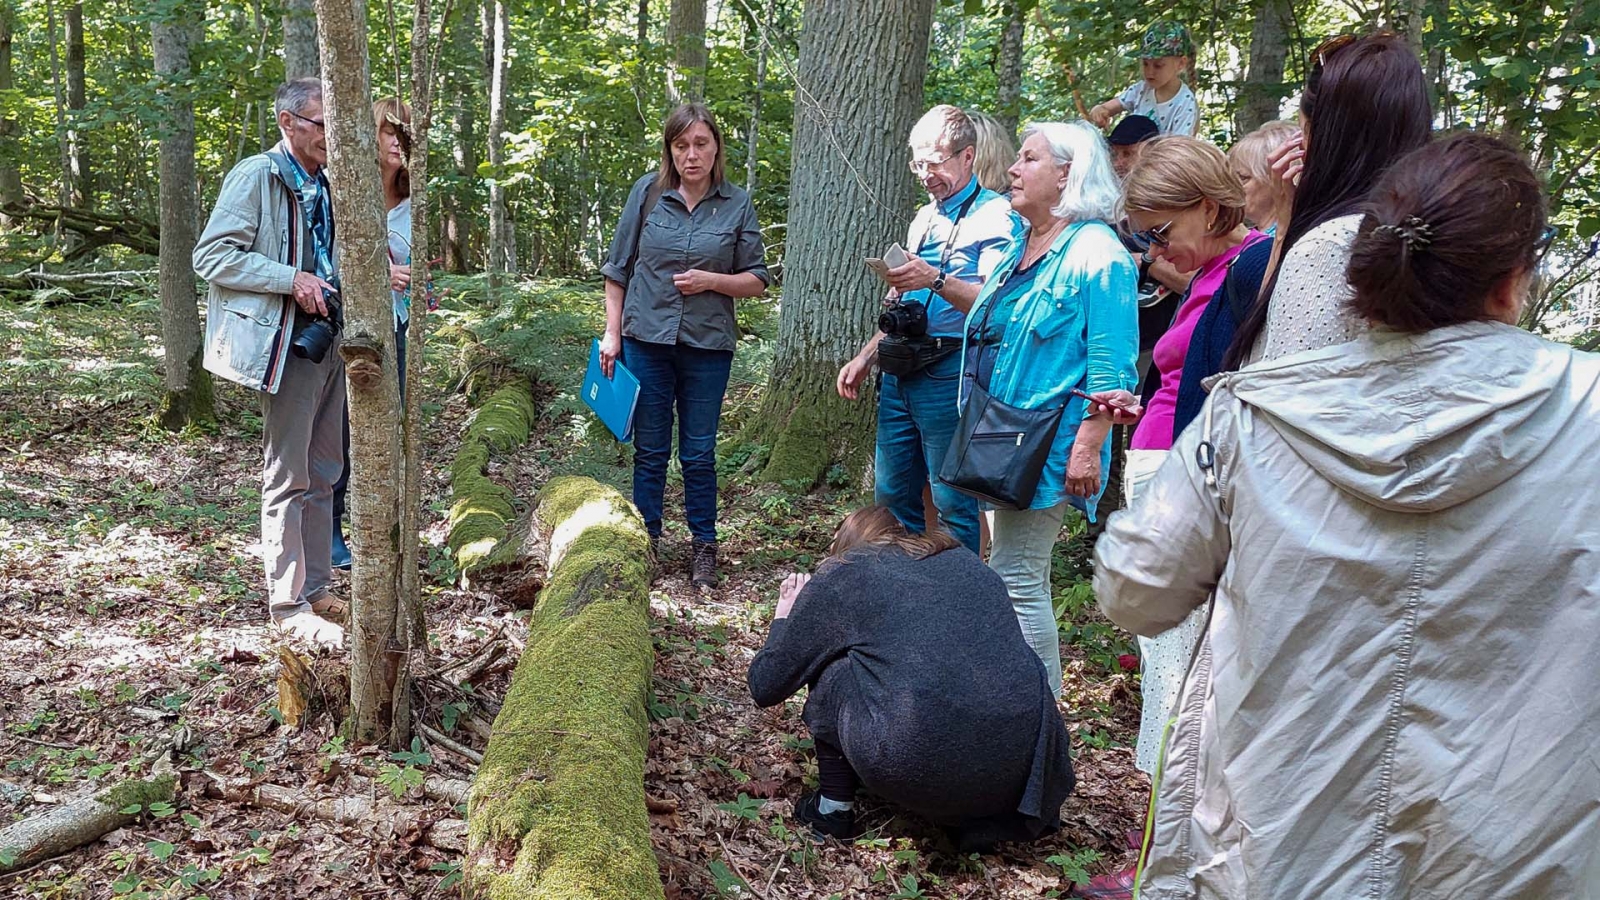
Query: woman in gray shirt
[[688, 245]]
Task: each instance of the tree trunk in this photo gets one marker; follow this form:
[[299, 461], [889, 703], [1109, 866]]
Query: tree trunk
[[77, 99], [380, 682], [755, 99], [1008, 70], [1263, 90], [686, 34], [64, 194], [411, 615], [864, 64], [300, 40], [188, 398], [69, 826], [500, 252], [10, 176]]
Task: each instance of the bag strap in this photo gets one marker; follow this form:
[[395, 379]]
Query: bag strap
[[652, 196]]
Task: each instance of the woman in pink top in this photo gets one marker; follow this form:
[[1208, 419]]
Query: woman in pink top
[[1184, 201]]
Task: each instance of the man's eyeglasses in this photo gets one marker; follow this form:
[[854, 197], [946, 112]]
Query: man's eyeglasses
[[1154, 237], [320, 125], [920, 167]]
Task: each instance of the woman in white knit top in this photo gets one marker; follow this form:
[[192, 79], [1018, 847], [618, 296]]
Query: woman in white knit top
[[1365, 104]]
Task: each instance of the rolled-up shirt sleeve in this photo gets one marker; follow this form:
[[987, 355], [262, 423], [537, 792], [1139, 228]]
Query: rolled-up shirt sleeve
[[749, 253], [1113, 327], [624, 241]]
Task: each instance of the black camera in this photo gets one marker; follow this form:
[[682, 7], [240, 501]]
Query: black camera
[[904, 319], [313, 341]]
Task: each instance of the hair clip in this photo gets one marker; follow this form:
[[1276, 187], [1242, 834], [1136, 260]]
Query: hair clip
[[1414, 231]]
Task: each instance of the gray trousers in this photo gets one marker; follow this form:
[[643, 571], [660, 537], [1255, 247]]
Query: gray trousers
[[302, 434]]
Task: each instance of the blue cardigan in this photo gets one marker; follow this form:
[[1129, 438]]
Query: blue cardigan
[[1215, 330]]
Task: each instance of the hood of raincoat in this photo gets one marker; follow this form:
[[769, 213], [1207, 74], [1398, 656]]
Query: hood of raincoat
[[1465, 409]]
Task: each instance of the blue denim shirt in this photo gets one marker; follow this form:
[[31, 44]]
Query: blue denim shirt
[[985, 233], [1077, 327]]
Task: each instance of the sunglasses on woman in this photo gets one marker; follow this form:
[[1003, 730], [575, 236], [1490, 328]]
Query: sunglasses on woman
[[1154, 237]]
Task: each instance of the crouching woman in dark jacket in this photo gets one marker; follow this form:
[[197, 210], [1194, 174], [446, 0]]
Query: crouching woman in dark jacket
[[922, 688]]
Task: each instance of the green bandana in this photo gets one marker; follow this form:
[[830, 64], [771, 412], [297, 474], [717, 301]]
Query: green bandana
[[1166, 38]]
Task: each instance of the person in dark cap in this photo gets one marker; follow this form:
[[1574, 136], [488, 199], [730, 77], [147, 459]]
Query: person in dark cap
[[1127, 139]]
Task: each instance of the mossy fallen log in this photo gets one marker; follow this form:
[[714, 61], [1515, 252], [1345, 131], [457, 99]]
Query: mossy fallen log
[[62, 828], [557, 809], [483, 511]]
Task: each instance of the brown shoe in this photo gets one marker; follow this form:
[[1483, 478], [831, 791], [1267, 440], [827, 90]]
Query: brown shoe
[[331, 607], [703, 566]]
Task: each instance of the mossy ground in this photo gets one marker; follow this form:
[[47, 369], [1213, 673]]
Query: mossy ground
[[561, 784]]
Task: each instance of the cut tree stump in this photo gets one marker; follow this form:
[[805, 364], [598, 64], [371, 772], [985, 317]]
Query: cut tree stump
[[557, 810], [69, 826]]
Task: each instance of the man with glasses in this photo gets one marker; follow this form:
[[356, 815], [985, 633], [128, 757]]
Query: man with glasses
[[269, 256], [956, 241]]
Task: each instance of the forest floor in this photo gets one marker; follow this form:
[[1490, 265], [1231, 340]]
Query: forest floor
[[133, 627]]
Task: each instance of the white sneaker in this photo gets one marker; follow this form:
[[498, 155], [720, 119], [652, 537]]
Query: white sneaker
[[313, 628]]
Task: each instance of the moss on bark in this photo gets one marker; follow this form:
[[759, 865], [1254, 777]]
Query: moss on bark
[[482, 511], [557, 808]]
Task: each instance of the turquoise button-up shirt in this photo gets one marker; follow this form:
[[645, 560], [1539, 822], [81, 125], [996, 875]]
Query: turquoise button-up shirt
[[1076, 327]]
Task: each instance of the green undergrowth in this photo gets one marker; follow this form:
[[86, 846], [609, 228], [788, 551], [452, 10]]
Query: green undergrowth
[[557, 807]]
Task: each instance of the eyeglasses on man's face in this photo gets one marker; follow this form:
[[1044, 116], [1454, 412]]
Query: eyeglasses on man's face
[[321, 126], [921, 164]]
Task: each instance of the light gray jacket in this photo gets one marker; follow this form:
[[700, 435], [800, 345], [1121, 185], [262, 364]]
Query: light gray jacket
[[1396, 695], [244, 254]]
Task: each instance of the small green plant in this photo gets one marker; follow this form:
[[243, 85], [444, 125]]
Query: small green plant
[[399, 780], [745, 807], [1075, 865], [416, 756], [725, 882], [910, 889], [449, 874]]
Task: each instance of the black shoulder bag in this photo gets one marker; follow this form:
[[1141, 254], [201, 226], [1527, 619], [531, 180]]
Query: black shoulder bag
[[999, 450]]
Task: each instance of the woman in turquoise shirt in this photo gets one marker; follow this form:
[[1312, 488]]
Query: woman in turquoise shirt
[[1059, 313]]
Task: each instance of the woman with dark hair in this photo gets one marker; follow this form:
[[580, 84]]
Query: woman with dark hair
[[922, 689], [1365, 105], [1362, 718], [687, 247]]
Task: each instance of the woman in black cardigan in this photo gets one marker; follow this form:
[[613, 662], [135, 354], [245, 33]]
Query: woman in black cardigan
[[922, 688]]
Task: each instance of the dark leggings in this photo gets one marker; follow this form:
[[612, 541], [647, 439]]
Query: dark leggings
[[835, 777]]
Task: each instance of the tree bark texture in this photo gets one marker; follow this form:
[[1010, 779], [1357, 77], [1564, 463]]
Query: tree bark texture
[[71, 825], [557, 808], [188, 385], [10, 176], [862, 66], [77, 100], [686, 34], [300, 40], [1263, 90], [1008, 70], [500, 253], [412, 625], [380, 683]]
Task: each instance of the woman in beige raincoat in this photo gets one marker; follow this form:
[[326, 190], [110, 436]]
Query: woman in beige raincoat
[[1400, 541]]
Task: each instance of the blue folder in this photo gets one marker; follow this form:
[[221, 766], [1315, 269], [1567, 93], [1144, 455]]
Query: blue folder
[[612, 399]]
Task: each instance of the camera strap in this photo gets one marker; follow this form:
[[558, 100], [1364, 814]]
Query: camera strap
[[955, 228]]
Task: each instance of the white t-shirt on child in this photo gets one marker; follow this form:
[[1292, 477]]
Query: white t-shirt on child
[[1176, 116]]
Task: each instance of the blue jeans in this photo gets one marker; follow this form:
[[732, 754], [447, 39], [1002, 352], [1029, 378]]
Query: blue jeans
[[691, 382], [917, 417]]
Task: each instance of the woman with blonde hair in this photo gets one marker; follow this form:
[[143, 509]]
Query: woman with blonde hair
[[922, 689], [1265, 194], [995, 151]]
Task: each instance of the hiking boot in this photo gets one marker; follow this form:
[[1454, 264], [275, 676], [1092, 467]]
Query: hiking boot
[[652, 559], [841, 823], [1116, 886], [703, 566]]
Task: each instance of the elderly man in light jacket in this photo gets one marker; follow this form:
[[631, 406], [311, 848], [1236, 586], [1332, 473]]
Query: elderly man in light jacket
[[269, 255]]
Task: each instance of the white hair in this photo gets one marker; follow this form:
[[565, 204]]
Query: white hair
[[1091, 191]]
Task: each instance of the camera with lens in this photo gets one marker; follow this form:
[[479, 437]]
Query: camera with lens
[[318, 334], [906, 319]]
